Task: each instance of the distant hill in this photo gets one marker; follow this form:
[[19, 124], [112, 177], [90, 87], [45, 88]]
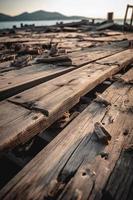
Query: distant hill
[[4, 17], [37, 15]]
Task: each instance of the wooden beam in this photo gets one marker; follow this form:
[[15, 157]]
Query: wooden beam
[[115, 38], [119, 185], [68, 88], [16, 81], [15, 123]]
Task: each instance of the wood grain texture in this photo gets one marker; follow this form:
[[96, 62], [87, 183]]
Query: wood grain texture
[[73, 166], [88, 55], [119, 185], [68, 88], [96, 173], [17, 124], [53, 98], [16, 81]]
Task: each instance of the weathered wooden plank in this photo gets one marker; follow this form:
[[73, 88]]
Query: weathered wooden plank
[[19, 121], [16, 81], [4, 40], [112, 33], [105, 26], [92, 54], [119, 185], [116, 60], [66, 143], [63, 35], [74, 45], [57, 96], [66, 93], [72, 86], [91, 177], [69, 44], [96, 173], [115, 38], [72, 161]]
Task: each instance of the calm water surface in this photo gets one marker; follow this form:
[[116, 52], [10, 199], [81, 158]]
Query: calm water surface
[[4, 25]]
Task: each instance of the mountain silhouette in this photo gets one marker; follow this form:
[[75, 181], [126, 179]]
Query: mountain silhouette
[[37, 15]]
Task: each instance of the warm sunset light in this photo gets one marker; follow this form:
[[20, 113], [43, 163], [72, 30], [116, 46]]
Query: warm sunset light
[[89, 8], [66, 99]]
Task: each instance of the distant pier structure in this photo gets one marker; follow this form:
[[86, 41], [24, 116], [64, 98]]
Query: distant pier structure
[[129, 7]]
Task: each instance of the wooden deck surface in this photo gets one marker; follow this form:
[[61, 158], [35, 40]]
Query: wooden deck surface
[[83, 161]]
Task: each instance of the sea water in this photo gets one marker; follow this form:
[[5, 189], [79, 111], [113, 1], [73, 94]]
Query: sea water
[[5, 25]]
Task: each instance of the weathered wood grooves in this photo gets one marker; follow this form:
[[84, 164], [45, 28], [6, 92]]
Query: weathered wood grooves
[[76, 164], [72, 85], [47, 109], [84, 96], [121, 188], [20, 83], [18, 80]]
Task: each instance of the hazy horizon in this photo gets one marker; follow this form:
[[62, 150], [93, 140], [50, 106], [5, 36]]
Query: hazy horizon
[[60, 13], [87, 8]]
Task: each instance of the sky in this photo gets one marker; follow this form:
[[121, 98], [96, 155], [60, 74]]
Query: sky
[[88, 8]]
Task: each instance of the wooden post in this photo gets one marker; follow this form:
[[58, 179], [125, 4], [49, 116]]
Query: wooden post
[[110, 16], [131, 21], [125, 18], [93, 21]]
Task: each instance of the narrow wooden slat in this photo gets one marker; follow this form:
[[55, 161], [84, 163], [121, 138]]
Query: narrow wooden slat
[[71, 166], [112, 33], [16, 81], [4, 40], [73, 85], [121, 187], [92, 54], [105, 26], [116, 60], [16, 123], [108, 39], [76, 86]]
